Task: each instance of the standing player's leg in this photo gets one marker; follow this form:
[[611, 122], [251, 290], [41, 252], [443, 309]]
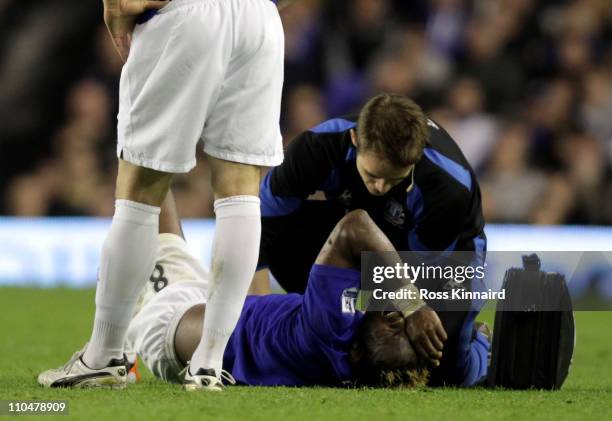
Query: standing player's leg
[[173, 73], [127, 259], [241, 135], [235, 255]]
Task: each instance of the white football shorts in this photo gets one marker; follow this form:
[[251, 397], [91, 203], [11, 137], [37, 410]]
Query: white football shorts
[[206, 72], [178, 283]]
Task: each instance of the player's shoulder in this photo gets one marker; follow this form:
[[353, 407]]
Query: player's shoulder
[[443, 161], [334, 134], [336, 125], [442, 142], [329, 140]]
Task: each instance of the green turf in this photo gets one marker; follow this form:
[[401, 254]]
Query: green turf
[[42, 328]]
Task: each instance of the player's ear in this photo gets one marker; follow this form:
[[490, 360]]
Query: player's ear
[[353, 137]]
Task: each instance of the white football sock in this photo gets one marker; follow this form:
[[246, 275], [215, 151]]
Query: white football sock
[[126, 262], [235, 255]]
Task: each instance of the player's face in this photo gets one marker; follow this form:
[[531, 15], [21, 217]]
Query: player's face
[[382, 345], [378, 174], [390, 346], [398, 352]]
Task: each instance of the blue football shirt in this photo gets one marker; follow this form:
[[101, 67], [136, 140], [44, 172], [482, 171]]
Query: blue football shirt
[[298, 340]]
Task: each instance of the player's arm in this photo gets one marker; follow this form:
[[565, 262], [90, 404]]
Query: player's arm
[[355, 233], [309, 161]]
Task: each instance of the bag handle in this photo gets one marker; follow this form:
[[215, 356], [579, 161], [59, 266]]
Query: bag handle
[[531, 262]]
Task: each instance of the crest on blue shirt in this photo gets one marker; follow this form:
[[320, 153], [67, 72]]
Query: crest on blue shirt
[[348, 301], [394, 212]]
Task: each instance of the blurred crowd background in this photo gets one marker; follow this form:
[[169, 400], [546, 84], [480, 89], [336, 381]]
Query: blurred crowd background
[[524, 86]]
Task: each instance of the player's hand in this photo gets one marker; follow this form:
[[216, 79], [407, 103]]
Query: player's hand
[[426, 333], [120, 17]]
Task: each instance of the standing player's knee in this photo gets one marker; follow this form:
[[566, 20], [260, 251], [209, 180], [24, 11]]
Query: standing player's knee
[[142, 185], [234, 179]]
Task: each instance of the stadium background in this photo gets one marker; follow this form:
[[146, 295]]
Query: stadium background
[[524, 86]]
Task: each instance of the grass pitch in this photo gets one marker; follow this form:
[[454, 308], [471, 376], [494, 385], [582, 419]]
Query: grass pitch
[[42, 328]]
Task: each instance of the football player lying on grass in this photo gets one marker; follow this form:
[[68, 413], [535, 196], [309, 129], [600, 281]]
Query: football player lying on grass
[[315, 338]]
